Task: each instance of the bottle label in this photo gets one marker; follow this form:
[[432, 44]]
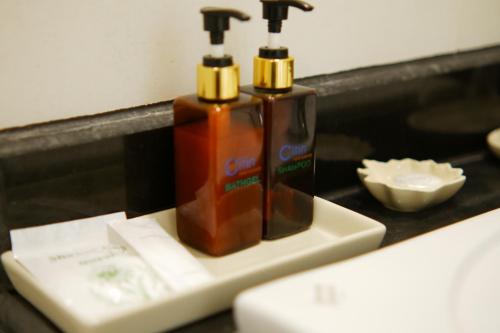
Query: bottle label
[[297, 165], [241, 166], [233, 166], [241, 183], [298, 157], [287, 151]]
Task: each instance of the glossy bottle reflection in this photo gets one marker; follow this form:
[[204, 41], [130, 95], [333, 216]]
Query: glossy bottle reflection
[[290, 121], [218, 158]]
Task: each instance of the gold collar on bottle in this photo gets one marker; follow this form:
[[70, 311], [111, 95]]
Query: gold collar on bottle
[[218, 83], [272, 73]]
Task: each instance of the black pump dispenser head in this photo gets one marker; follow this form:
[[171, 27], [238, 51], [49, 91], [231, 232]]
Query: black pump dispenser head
[[276, 11], [273, 67], [218, 78], [216, 21]]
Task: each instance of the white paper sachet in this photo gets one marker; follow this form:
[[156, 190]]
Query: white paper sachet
[[92, 275], [173, 263]]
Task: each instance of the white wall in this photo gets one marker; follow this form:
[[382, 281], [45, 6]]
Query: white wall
[[66, 58]]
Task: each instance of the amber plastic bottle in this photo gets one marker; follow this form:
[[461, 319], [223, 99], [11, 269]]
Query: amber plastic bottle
[[289, 140], [289, 126], [218, 137]]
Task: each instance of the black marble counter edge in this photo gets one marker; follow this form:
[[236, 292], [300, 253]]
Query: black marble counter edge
[[79, 130]]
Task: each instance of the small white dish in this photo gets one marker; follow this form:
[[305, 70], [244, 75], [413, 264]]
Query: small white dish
[[408, 185], [494, 142]]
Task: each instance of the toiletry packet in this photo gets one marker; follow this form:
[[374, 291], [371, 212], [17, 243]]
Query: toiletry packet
[[94, 275], [168, 258]]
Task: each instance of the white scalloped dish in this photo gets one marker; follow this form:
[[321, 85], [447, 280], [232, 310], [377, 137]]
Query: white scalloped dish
[[494, 142], [408, 185]]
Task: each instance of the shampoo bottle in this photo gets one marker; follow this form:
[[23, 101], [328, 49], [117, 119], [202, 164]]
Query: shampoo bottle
[[218, 138], [289, 130]]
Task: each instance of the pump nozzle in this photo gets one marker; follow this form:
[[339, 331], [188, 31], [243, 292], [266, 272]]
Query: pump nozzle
[[216, 20], [218, 76], [273, 68], [276, 11]]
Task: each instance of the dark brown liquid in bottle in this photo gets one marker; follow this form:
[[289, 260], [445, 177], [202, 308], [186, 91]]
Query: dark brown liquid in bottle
[[289, 125], [218, 162]]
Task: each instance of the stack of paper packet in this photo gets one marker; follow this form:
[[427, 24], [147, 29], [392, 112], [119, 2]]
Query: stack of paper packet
[[102, 265]]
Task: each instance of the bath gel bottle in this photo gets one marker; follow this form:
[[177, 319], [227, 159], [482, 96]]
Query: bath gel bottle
[[218, 138], [289, 131]]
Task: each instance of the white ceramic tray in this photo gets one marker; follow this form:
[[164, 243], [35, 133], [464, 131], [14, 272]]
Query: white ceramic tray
[[337, 233]]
